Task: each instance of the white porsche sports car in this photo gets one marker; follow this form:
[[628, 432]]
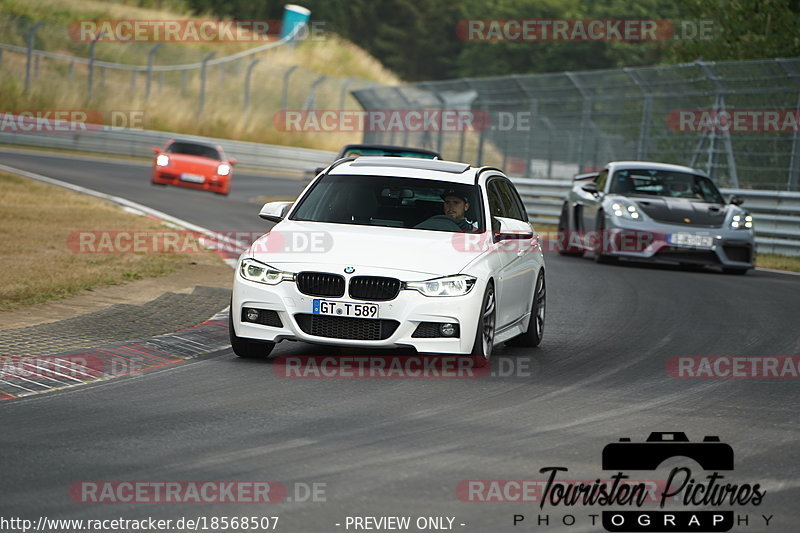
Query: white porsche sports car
[[394, 252]]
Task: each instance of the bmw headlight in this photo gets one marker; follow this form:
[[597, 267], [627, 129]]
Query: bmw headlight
[[224, 169], [253, 270], [625, 209], [742, 221], [458, 285], [162, 160]]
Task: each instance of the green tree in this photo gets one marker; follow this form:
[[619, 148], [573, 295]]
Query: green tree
[[742, 29]]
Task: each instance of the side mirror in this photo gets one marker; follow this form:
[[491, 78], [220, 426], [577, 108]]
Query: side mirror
[[737, 200], [275, 211], [511, 229], [590, 187], [231, 161], [156, 149]]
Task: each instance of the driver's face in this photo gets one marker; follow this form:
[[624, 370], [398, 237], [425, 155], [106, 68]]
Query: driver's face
[[455, 207]]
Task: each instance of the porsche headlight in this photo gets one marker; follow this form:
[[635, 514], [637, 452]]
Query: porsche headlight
[[162, 160], [743, 221], [626, 210], [224, 169], [458, 285], [253, 270]]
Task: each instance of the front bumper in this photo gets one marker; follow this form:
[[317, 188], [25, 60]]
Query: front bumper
[[649, 241], [406, 312], [213, 182]]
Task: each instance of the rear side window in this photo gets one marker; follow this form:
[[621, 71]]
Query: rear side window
[[512, 206]]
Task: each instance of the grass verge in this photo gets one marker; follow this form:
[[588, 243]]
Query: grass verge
[[36, 263], [778, 262]]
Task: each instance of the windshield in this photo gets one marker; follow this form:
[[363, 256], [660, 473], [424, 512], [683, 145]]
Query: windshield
[[200, 150], [393, 202], [665, 183]]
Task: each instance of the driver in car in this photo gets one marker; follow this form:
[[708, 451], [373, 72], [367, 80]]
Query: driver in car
[[456, 205], [682, 190]]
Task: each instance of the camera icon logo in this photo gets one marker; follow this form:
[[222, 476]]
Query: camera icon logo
[[711, 454]]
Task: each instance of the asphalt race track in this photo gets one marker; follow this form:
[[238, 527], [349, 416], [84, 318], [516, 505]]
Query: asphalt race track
[[400, 447]]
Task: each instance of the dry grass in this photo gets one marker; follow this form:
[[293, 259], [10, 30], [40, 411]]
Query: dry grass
[[778, 262], [171, 106], [36, 264]]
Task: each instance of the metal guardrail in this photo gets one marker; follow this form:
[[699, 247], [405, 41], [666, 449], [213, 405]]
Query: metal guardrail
[[776, 214], [284, 160]]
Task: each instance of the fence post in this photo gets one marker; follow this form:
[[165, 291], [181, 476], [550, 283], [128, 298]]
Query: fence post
[[247, 78], [533, 107], [586, 117], [719, 105], [91, 66], [133, 81], [203, 69], [31, 34], [150, 55], [70, 71], [311, 99], [793, 183], [285, 95], [647, 113], [404, 142], [184, 81], [343, 92]]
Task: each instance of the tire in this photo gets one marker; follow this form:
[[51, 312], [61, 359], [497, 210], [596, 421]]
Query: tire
[[735, 271], [563, 235], [245, 347], [533, 335], [599, 256], [484, 335]]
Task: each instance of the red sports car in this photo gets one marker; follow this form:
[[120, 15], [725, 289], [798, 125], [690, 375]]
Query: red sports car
[[194, 165]]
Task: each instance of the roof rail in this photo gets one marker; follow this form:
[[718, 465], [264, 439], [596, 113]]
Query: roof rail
[[339, 162], [484, 169], [438, 165]]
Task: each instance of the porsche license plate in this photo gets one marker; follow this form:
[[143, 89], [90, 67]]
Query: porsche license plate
[[193, 178], [348, 309], [690, 239]]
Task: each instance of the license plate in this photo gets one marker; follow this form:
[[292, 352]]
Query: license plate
[[690, 239], [349, 309], [194, 178]]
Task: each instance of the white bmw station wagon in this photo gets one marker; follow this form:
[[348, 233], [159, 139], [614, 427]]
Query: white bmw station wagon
[[394, 252]]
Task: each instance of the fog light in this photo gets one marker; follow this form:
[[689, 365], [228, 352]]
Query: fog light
[[252, 315], [447, 330]]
